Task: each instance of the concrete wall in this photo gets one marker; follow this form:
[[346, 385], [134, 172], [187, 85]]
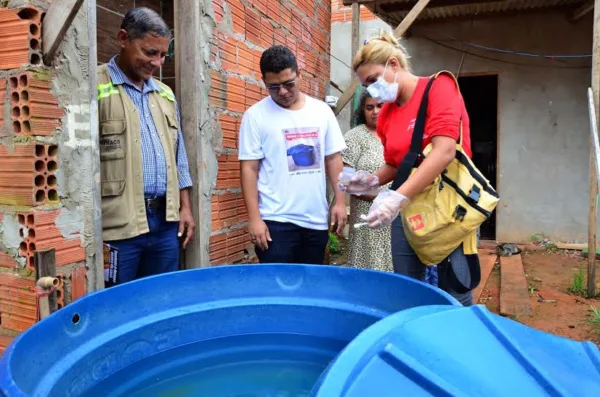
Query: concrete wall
[[240, 31], [543, 120], [46, 175], [341, 60]]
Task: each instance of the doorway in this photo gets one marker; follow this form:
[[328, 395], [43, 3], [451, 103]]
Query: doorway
[[480, 93]]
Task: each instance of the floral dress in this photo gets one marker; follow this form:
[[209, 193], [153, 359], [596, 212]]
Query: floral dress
[[367, 248]]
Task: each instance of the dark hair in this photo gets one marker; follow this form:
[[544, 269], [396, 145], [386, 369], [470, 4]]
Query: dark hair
[[276, 59], [358, 117], [140, 21]]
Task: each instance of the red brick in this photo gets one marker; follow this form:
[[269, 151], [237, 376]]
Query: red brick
[[279, 37], [323, 17], [218, 7], [228, 176], [285, 15], [245, 60], [238, 16], [252, 26], [39, 232], [218, 90], [236, 95], [273, 13], [5, 341], [18, 304], [20, 34], [7, 261], [78, 283], [266, 33], [308, 7], [28, 175], [228, 53], [253, 94], [261, 5], [230, 128]]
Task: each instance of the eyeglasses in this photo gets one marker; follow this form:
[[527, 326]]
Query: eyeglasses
[[288, 85]]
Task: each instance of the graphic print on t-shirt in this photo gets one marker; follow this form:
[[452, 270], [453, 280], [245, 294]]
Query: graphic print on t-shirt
[[303, 150]]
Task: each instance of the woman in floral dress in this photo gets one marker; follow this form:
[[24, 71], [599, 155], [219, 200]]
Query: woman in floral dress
[[367, 248]]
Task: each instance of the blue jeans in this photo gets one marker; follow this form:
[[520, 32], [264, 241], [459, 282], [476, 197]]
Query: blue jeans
[[294, 244], [407, 263], [148, 254]]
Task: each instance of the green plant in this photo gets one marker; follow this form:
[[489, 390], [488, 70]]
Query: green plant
[[532, 290], [577, 283], [334, 243], [537, 237], [595, 315]]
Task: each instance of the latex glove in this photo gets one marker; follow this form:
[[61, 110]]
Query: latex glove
[[358, 182], [385, 208]]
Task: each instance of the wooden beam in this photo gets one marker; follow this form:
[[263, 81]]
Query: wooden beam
[[394, 5], [59, 17], [514, 289], [487, 259], [593, 193], [355, 42], [45, 266], [398, 32], [193, 104], [95, 259], [581, 11]]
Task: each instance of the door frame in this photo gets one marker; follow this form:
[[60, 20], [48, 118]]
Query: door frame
[[497, 176]]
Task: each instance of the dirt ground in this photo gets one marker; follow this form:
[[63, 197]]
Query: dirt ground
[[555, 310], [550, 275]]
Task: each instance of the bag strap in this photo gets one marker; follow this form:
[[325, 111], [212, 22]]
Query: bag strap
[[416, 146]]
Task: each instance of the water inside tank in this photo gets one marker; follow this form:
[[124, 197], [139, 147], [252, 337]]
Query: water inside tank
[[257, 365]]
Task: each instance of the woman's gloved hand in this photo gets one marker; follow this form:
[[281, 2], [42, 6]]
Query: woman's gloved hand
[[358, 182], [385, 208]]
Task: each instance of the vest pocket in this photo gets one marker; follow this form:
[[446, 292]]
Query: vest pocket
[[113, 152], [112, 140], [173, 130], [112, 188]]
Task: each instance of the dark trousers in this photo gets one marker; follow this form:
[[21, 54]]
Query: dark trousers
[[407, 263], [294, 244], [152, 253]]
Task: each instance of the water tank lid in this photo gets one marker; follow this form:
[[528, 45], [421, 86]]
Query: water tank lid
[[460, 351]]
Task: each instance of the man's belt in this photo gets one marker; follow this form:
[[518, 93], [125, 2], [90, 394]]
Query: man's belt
[[155, 203]]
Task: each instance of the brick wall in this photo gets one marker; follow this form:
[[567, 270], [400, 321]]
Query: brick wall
[[244, 29], [341, 13], [33, 216]]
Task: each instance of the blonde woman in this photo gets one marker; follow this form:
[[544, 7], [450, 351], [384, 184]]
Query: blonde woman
[[382, 66]]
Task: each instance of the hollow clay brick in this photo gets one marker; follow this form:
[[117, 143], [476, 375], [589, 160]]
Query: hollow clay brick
[[5, 129], [78, 283], [34, 108], [20, 35], [28, 174], [39, 232], [18, 309]]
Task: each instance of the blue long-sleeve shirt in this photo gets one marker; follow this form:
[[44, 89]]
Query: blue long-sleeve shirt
[[153, 156]]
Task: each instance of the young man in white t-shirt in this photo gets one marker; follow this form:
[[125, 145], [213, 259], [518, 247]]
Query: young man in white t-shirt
[[288, 142]]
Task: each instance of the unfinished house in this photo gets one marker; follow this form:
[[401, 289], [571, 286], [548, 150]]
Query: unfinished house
[[524, 68], [49, 197]]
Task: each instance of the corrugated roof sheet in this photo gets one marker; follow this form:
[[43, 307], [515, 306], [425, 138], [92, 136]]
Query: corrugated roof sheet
[[394, 11]]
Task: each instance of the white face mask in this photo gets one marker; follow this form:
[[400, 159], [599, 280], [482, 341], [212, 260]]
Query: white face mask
[[383, 91]]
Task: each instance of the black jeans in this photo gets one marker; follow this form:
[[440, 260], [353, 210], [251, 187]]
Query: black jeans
[[294, 244]]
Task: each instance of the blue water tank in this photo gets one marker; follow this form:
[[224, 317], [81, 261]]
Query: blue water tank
[[303, 155], [228, 322], [450, 351]]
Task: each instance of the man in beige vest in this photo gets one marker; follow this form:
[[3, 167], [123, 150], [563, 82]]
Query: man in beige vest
[[145, 179]]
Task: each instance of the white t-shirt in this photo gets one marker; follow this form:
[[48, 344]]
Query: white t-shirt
[[292, 145]]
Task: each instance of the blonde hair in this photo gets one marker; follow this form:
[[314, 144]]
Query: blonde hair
[[379, 49]]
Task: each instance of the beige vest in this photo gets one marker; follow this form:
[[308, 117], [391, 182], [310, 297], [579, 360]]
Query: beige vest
[[122, 184]]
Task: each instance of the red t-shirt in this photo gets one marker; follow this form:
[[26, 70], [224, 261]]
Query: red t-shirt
[[395, 124]]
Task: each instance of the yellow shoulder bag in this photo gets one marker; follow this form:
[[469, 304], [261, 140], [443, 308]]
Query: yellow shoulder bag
[[450, 210]]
